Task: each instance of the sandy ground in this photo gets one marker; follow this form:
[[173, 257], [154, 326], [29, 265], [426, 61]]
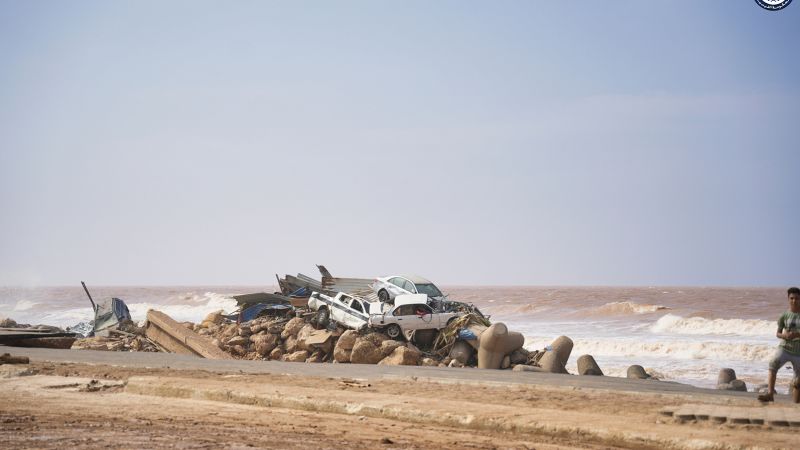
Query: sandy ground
[[54, 409]]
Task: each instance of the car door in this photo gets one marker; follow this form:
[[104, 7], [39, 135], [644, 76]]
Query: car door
[[395, 286], [358, 314], [416, 316]]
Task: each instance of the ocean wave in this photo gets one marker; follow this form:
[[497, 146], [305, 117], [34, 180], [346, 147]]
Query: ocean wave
[[202, 305], [623, 308], [675, 324], [673, 350], [24, 305]]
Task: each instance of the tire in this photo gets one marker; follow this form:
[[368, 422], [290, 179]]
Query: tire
[[323, 317], [394, 331], [383, 296]]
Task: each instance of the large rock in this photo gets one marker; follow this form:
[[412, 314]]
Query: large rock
[[495, 343], [388, 346], [367, 349], [214, 318], [588, 366], [555, 359], [292, 327], [344, 346], [263, 344], [238, 340], [276, 354], [290, 344], [302, 335], [299, 356], [401, 356]]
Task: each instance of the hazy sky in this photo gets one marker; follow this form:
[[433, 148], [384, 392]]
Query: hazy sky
[[532, 142]]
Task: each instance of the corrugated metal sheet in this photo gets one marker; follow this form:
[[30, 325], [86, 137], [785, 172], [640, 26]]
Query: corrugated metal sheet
[[356, 286]]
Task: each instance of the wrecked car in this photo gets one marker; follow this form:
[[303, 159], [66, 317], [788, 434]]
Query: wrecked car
[[390, 287], [345, 309], [410, 313]]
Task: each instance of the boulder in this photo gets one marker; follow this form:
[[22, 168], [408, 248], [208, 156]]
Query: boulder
[[237, 340], [263, 344], [430, 362], [8, 323], [367, 349], [276, 354], [461, 351], [389, 346], [292, 328], [238, 350], [316, 357], [298, 356], [495, 343], [637, 372], [588, 366], [401, 356], [245, 331], [290, 345], [302, 335], [506, 362], [344, 346], [214, 318], [555, 359]]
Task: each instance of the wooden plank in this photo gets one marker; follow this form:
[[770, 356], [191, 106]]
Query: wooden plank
[[178, 339]]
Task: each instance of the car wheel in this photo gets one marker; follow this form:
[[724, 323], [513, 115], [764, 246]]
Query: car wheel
[[383, 295], [394, 331], [323, 318]]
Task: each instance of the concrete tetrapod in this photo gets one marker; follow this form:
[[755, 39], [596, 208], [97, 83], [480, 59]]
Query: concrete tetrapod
[[495, 343], [588, 366], [555, 360]]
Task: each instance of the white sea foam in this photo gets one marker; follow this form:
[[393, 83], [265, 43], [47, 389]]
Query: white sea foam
[[24, 305], [674, 324], [202, 305], [622, 308], [669, 350]]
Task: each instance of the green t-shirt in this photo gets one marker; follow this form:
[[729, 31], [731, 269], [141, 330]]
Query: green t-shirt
[[790, 321]]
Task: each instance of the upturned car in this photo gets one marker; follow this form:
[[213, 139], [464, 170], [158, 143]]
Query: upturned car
[[345, 309]]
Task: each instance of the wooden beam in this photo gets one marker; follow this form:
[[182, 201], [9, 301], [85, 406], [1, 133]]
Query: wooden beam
[[176, 338]]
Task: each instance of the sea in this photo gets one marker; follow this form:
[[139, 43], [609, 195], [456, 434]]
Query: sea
[[682, 334]]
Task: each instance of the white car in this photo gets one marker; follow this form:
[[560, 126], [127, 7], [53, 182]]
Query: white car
[[390, 287], [345, 309], [410, 313]]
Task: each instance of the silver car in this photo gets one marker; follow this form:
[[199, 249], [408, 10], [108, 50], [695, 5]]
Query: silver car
[[390, 287]]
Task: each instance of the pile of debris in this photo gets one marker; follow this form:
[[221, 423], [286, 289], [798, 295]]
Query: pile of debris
[[123, 337], [26, 335]]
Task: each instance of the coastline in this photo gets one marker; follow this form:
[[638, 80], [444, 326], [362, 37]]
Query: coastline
[[205, 403]]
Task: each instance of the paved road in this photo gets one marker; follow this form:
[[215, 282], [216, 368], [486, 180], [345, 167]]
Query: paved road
[[362, 371]]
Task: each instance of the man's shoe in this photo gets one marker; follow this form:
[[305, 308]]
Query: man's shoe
[[766, 397]]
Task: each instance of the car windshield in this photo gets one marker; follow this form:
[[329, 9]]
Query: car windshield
[[429, 289]]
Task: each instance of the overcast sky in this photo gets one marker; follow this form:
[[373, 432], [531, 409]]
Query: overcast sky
[[477, 143]]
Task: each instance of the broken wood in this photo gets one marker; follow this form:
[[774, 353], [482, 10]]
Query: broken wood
[[176, 338]]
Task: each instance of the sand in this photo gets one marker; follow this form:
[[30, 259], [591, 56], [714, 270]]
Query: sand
[[148, 407]]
